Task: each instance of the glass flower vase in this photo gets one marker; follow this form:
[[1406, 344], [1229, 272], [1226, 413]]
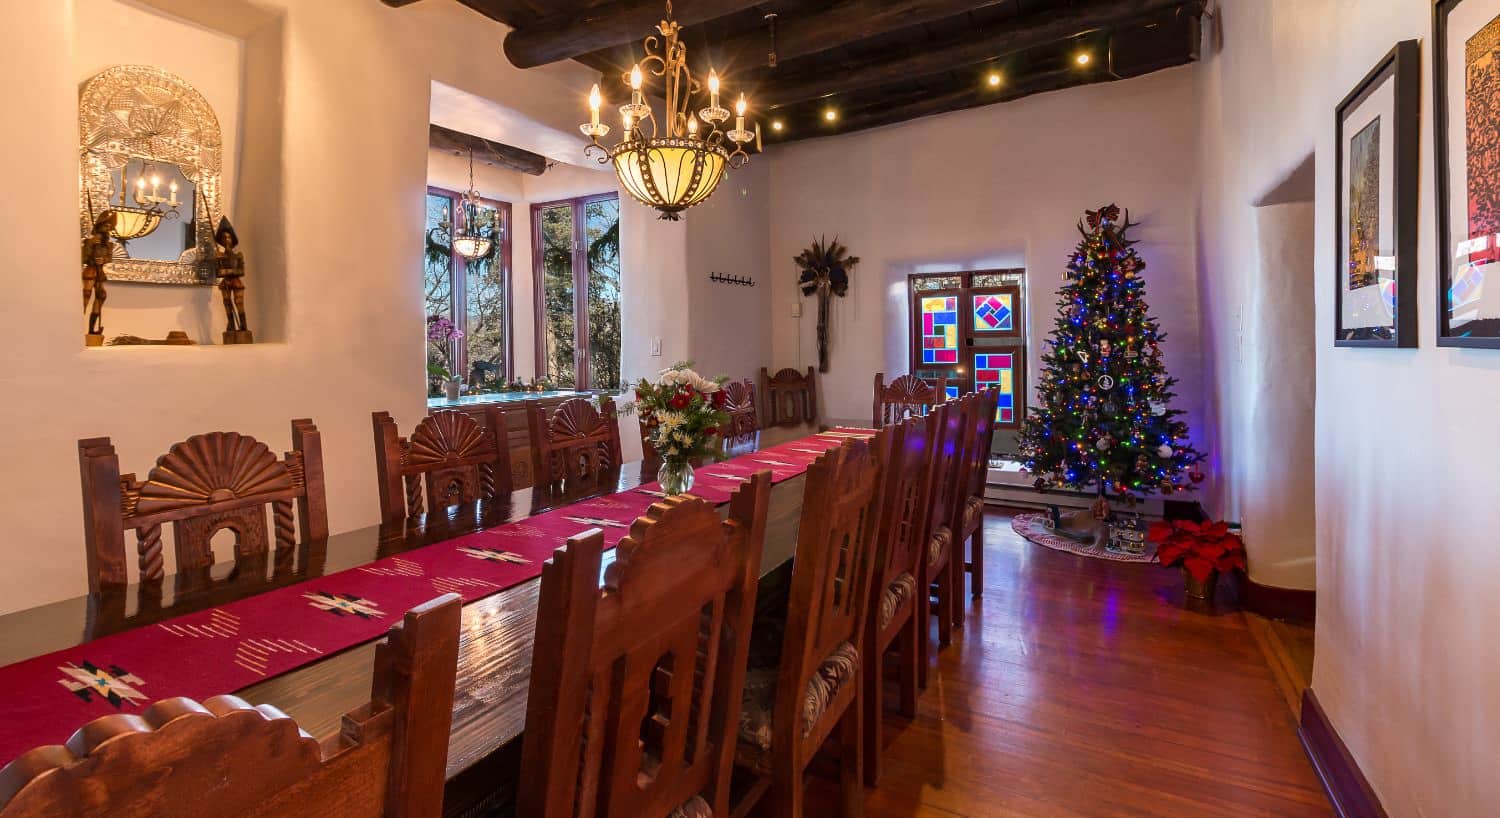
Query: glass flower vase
[[675, 476]]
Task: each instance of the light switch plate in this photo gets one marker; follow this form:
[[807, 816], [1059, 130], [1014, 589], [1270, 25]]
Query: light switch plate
[[796, 309], [656, 347]]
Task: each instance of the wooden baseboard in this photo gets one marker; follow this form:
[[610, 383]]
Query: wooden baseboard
[[1347, 787], [1286, 604]]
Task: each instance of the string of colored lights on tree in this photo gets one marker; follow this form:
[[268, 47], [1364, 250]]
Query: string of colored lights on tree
[[1104, 418]]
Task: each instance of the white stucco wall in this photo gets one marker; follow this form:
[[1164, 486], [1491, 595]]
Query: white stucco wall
[[1405, 439]]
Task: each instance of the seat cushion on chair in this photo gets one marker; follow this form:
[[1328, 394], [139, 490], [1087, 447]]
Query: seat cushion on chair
[[900, 590], [973, 510], [695, 807], [938, 545], [760, 697]]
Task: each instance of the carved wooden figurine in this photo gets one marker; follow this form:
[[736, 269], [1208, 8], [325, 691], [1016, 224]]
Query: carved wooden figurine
[[231, 270], [97, 252]]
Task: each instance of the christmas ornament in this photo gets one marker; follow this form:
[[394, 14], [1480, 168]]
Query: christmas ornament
[[1195, 476], [1158, 408], [1106, 382], [1103, 443], [1104, 347], [1164, 450], [1083, 355]]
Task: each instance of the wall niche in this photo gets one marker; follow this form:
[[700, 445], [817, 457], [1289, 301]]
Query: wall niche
[[163, 146]]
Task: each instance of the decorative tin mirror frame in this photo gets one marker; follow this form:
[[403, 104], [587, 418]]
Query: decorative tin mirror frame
[[141, 112]]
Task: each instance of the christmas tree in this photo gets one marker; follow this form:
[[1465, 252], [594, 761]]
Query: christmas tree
[[1105, 420]]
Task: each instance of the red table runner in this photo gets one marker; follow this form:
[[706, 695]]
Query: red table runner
[[233, 646]]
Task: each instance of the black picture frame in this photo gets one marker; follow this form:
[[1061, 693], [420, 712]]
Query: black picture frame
[[1401, 67], [1441, 9]]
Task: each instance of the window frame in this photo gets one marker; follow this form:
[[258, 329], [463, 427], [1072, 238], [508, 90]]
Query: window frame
[[582, 375], [458, 280], [961, 373]]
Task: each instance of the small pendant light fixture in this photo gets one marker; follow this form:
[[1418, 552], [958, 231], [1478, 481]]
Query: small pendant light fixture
[[467, 241]]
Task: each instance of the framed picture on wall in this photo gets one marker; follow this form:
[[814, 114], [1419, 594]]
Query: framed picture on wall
[[1466, 133], [1377, 128]]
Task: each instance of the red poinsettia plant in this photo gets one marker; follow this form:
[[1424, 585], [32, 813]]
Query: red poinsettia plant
[[1200, 548]]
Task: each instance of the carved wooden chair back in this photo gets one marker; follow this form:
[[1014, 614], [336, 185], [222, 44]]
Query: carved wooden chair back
[[831, 574], [791, 397], [979, 428], [902, 533], [948, 453], [387, 760], [205, 484], [739, 402], [905, 396], [575, 444], [635, 687], [449, 459]]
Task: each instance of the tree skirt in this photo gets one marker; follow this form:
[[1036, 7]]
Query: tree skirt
[[1034, 528]]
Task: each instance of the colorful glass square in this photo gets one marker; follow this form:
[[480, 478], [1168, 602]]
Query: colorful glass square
[[997, 369], [994, 312]]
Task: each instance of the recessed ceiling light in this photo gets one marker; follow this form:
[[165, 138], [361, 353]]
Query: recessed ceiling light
[[776, 125], [830, 115], [1083, 58], [994, 78]]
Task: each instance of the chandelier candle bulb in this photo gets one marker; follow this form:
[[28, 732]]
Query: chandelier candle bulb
[[594, 101], [739, 110], [713, 89]]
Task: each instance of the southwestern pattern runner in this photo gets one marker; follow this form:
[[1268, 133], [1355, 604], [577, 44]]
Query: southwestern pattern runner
[[233, 646]]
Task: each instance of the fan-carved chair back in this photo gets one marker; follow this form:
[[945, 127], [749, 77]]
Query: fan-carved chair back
[[906, 396], [739, 402], [183, 759], [635, 687], [207, 483], [449, 459], [576, 444], [791, 397]]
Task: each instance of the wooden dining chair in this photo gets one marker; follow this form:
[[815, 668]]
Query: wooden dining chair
[[791, 397], [814, 689], [896, 619], [905, 396], [183, 759], [635, 687], [970, 499], [448, 460], [947, 432], [205, 484], [740, 404], [575, 443]]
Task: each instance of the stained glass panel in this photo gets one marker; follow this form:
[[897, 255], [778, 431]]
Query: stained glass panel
[[951, 391], [997, 369], [940, 330], [994, 312], [923, 283]]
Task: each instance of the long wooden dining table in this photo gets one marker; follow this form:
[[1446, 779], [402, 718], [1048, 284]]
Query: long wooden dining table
[[495, 642]]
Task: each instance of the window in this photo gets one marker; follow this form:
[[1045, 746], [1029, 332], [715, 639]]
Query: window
[[577, 281], [967, 327], [473, 294]]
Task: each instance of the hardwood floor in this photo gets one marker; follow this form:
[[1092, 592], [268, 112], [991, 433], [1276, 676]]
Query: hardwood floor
[[1080, 687]]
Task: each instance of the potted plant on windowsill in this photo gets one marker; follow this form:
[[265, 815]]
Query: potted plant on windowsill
[[1202, 550], [442, 337]]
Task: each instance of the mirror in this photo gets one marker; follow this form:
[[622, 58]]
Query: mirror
[[174, 238], [150, 147]]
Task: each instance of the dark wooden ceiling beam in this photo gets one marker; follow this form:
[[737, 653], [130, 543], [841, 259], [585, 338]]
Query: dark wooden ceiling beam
[[1028, 32], [844, 22], [495, 153], [573, 33]]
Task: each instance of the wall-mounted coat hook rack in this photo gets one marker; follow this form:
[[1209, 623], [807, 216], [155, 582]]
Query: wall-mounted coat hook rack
[[743, 281]]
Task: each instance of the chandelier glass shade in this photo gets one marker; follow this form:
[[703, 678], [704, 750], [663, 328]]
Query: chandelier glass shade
[[670, 175], [135, 222], [682, 164]]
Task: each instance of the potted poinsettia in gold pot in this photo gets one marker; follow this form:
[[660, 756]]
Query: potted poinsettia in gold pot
[[1202, 550]]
